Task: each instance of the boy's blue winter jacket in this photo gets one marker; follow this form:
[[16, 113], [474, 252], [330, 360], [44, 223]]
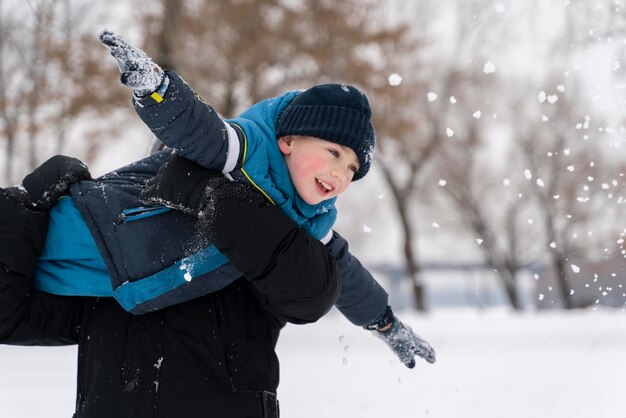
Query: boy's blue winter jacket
[[153, 256]]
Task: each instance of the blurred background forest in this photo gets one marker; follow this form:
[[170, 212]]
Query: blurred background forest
[[499, 170]]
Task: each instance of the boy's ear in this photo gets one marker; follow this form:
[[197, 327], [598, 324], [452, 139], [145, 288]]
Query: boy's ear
[[284, 144]]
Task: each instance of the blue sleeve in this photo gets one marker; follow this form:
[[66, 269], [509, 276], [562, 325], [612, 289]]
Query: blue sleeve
[[181, 120], [362, 300]]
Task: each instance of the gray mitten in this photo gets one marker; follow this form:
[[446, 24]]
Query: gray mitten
[[402, 340], [137, 70]]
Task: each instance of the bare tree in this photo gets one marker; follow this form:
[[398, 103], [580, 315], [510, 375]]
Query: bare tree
[[434, 78], [51, 72], [236, 53], [8, 112]]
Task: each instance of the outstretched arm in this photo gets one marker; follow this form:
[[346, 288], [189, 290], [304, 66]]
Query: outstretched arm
[[173, 111], [301, 277], [364, 302]]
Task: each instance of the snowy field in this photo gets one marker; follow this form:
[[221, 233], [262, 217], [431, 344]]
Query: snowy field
[[491, 364]]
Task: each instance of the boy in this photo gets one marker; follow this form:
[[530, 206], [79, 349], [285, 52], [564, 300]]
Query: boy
[[301, 150]]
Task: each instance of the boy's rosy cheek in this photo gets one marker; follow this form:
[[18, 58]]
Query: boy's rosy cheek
[[312, 165]]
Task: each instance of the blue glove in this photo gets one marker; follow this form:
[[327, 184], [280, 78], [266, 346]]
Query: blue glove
[[401, 339], [137, 70]]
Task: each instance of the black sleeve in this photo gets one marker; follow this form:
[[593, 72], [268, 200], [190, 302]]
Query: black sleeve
[[293, 270], [32, 317], [29, 316]]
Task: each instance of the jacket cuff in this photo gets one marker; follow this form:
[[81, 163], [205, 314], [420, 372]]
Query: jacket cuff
[[170, 78]]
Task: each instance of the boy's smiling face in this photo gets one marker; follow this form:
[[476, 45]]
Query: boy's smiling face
[[319, 169]]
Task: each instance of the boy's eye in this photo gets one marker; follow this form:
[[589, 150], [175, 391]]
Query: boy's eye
[[354, 169], [334, 152]]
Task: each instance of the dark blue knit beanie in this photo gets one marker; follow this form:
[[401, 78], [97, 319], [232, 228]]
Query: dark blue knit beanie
[[335, 112]]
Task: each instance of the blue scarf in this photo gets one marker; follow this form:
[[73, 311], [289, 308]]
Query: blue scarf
[[265, 166]]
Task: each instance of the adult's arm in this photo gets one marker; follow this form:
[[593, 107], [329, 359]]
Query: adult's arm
[[294, 271], [29, 316]]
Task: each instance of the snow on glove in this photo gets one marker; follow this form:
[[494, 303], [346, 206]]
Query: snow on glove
[[180, 184], [50, 181], [402, 340], [137, 70]]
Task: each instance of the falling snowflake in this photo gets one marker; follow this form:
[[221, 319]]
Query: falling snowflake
[[431, 96], [395, 79], [449, 132], [527, 174], [575, 268], [489, 68], [477, 114], [541, 96]]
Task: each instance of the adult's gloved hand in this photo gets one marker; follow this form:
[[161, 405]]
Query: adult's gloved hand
[[137, 70], [186, 186], [23, 211], [41, 188], [181, 184], [401, 339]]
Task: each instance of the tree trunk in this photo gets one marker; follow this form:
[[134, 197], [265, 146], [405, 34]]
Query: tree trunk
[[168, 36], [412, 268], [558, 264], [508, 278]]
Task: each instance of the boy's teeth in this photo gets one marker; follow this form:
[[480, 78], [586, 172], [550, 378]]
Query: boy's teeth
[[326, 186]]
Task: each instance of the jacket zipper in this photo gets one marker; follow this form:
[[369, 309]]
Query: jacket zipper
[[142, 212]]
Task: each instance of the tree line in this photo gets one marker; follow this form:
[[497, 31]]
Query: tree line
[[441, 83]]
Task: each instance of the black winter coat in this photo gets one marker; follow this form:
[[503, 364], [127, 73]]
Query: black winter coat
[[208, 357]]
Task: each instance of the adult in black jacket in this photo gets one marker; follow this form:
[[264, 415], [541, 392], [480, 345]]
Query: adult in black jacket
[[210, 357]]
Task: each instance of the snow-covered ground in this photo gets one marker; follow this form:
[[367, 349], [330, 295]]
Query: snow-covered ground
[[491, 364]]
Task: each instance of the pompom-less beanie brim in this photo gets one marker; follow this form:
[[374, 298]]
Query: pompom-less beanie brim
[[335, 113]]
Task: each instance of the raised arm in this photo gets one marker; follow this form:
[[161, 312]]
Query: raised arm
[[173, 111]]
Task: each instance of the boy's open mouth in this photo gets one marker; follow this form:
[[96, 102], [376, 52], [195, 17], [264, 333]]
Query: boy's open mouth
[[324, 187]]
